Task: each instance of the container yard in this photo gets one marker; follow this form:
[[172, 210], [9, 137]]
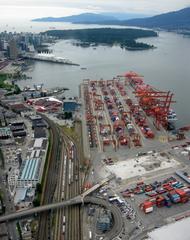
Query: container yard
[[159, 200], [125, 113]]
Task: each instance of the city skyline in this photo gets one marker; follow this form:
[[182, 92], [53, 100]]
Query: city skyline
[[43, 8]]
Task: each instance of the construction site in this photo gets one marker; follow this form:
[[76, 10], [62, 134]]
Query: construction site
[[125, 113]]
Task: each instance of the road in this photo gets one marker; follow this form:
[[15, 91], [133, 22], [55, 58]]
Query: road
[[32, 211], [9, 208], [117, 216]]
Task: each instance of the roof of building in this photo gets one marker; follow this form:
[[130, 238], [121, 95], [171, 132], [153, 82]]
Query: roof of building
[[19, 133], [35, 153], [175, 231], [20, 195], [39, 132], [30, 170], [39, 123], [5, 131], [35, 117], [104, 219], [70, 106], [18, 107], [38, 142]]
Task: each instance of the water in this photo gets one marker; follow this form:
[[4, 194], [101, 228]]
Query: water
[[20, 25], [166, 67]]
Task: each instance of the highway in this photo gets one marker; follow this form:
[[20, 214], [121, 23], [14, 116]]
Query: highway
[[75, 200], [32, 211]]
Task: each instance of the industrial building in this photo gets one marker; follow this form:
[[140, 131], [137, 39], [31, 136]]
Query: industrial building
[[40, 132], [31, 168], [29, 174], [38, 143], [45, 104], [37, 121], [104, 220], [104, 223], [70, 106], [5, 133], [39, 126], [17, 107], [18, 129], [23, 196]]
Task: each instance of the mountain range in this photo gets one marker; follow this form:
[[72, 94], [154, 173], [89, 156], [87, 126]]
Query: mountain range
[[170, 21], [84, 17]]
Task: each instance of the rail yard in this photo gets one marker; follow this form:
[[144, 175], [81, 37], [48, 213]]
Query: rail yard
[[66, 172]]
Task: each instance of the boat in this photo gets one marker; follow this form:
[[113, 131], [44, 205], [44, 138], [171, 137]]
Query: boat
[[171, 116], [83, 68], [49, 57]]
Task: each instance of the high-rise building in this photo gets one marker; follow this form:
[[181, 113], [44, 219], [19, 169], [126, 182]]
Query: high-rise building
[[12, 49]]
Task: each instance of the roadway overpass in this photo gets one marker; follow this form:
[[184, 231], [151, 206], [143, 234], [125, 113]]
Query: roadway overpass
[[31, 211], [76, 200], [81, 199], [114, 232]]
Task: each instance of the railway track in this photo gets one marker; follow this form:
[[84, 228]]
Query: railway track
[[45, 219], [62, 182], [67, 221], [72, 189]]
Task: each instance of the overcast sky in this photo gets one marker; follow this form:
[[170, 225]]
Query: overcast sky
[[43, 8]]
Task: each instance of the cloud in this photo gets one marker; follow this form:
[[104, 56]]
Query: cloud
[[40, 8]]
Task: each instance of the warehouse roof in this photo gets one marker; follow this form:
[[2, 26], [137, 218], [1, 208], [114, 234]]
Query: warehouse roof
[[175, 231], [38, 142], [20, 194], [30, 170], [5, 131]]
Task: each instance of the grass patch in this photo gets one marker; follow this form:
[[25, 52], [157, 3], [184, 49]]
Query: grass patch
[[7, 86]]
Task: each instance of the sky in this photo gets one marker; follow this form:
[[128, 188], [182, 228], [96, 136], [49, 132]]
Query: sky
[[29, 9]]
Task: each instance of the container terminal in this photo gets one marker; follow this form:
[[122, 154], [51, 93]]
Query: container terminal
[[125, 112], [129, 130]]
